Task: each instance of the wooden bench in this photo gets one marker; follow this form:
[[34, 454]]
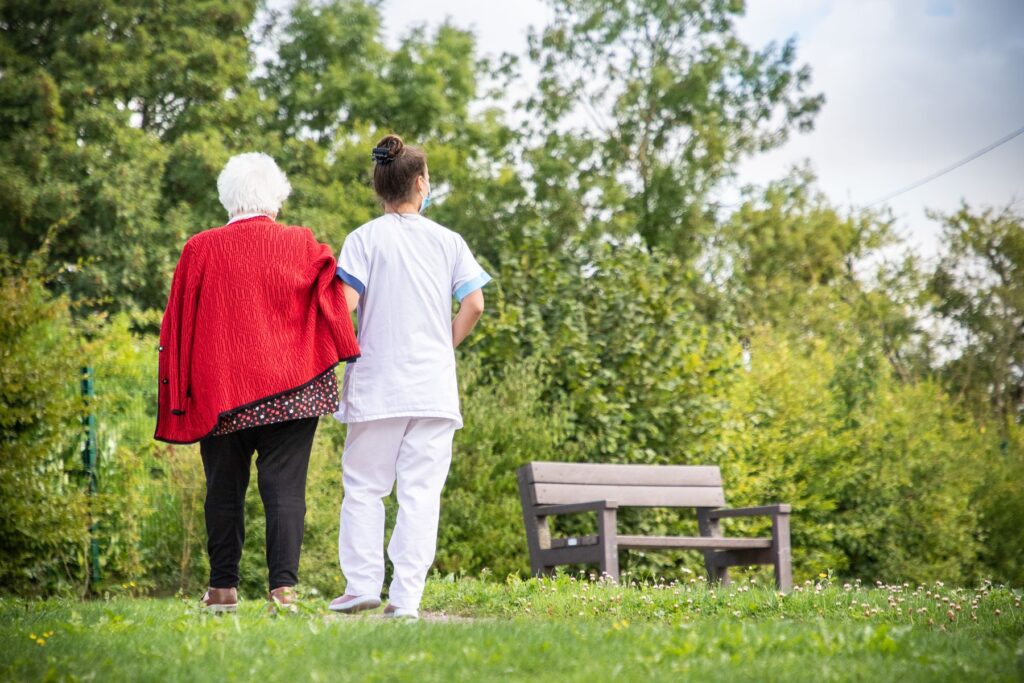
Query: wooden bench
[[559, 488]]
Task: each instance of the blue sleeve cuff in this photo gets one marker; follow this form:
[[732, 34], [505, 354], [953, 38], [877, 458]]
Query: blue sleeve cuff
[[351, 280], [467, 288]]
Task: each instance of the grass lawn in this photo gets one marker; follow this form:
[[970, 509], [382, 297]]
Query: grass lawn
[[554, 630]]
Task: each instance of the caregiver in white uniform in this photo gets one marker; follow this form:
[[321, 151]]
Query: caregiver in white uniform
[[401, 399]]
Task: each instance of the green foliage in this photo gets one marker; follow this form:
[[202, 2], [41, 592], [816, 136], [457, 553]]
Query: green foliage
[[676, 100], [880, 473], [44, 517], [507, 423], [979, 292], [609, 365], [621, 347], [91, 92], [618, 359], [340, 88], [789, 251], [1000, 505], [149, 521], [160, 61]]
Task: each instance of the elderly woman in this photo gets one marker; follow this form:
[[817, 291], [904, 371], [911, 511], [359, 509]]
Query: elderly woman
[[255, 324]]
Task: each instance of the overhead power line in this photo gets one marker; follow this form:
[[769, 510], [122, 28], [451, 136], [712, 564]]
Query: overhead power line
[[952, 167]]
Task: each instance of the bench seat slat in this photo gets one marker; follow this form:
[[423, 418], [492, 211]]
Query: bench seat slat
[[650, 542], [692, 542], [637, 496], [623, 475]]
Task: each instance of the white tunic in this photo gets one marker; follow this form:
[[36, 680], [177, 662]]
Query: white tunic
[[406, 269]]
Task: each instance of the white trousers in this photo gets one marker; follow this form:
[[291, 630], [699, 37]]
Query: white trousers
[[417, 452]]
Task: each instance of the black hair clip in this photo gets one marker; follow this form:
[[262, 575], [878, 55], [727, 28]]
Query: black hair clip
[[382, 155]]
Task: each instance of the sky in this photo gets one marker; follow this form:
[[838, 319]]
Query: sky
[[911, 86]]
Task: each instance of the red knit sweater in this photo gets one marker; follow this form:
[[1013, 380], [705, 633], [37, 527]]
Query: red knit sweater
[[255, 310]]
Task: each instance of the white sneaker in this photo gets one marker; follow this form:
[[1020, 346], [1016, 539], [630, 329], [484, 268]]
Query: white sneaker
[[396, 612], [350, 604]]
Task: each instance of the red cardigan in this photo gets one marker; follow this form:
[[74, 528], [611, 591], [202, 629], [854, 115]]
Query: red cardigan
[[255, 310]]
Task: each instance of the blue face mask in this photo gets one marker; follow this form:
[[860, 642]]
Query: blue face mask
[[426, 201]]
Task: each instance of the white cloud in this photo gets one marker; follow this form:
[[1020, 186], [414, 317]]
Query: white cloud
[[911, 87]]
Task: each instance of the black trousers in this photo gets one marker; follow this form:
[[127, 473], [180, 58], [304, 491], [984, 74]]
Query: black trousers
[[281, 467]]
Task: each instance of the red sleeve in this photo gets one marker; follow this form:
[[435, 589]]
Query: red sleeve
[[177, 332]]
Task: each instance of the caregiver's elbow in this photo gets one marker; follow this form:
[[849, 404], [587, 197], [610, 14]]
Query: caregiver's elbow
[[473, 304]]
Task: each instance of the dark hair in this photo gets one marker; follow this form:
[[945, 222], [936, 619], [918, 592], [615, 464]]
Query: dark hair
[[396, 169]]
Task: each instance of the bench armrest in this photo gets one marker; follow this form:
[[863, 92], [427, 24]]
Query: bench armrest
[[570, 508], [763, 510]]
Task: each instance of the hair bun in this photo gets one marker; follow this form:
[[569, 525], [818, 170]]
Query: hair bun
[[389, 147]]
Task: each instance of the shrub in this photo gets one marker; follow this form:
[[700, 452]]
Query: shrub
[[1000, 504], [44, 519], [880, 473], [507, 423], [150, 520]]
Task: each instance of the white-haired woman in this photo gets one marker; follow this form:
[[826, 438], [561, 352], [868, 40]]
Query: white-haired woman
[[255, 324]]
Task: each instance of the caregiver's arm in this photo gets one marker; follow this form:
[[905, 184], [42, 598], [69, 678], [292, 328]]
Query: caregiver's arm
[[470, 310], [351, 296]]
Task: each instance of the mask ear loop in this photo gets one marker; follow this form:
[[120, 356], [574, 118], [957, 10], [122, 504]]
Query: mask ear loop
[[425, 202]]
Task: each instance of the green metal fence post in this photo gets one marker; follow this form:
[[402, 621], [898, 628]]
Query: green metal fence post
[[89, 461]]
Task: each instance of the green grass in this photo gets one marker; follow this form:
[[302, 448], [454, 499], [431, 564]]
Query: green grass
[[561, 629]]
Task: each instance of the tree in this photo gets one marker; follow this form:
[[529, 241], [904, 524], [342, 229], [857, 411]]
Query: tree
[[978, 287], [672, 101], [158, 61], [788, 257], [92, 92], [118, 117]]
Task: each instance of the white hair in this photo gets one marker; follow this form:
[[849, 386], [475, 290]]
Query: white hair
[[252, 183]]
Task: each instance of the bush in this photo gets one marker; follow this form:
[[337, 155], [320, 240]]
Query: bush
[[880, 473], [44, 519], [150, 499], [1000, 504], [506, 424]]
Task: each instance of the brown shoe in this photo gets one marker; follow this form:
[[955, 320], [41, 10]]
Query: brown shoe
[[283, 599], [219, 600]]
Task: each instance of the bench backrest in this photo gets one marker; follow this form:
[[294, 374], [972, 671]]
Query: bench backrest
[[559, 483]]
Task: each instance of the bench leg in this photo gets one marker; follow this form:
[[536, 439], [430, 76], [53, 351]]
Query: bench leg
[[610, 562], [538, 539], [607, 531], [538, 534], [717, 572], [781, 554]]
